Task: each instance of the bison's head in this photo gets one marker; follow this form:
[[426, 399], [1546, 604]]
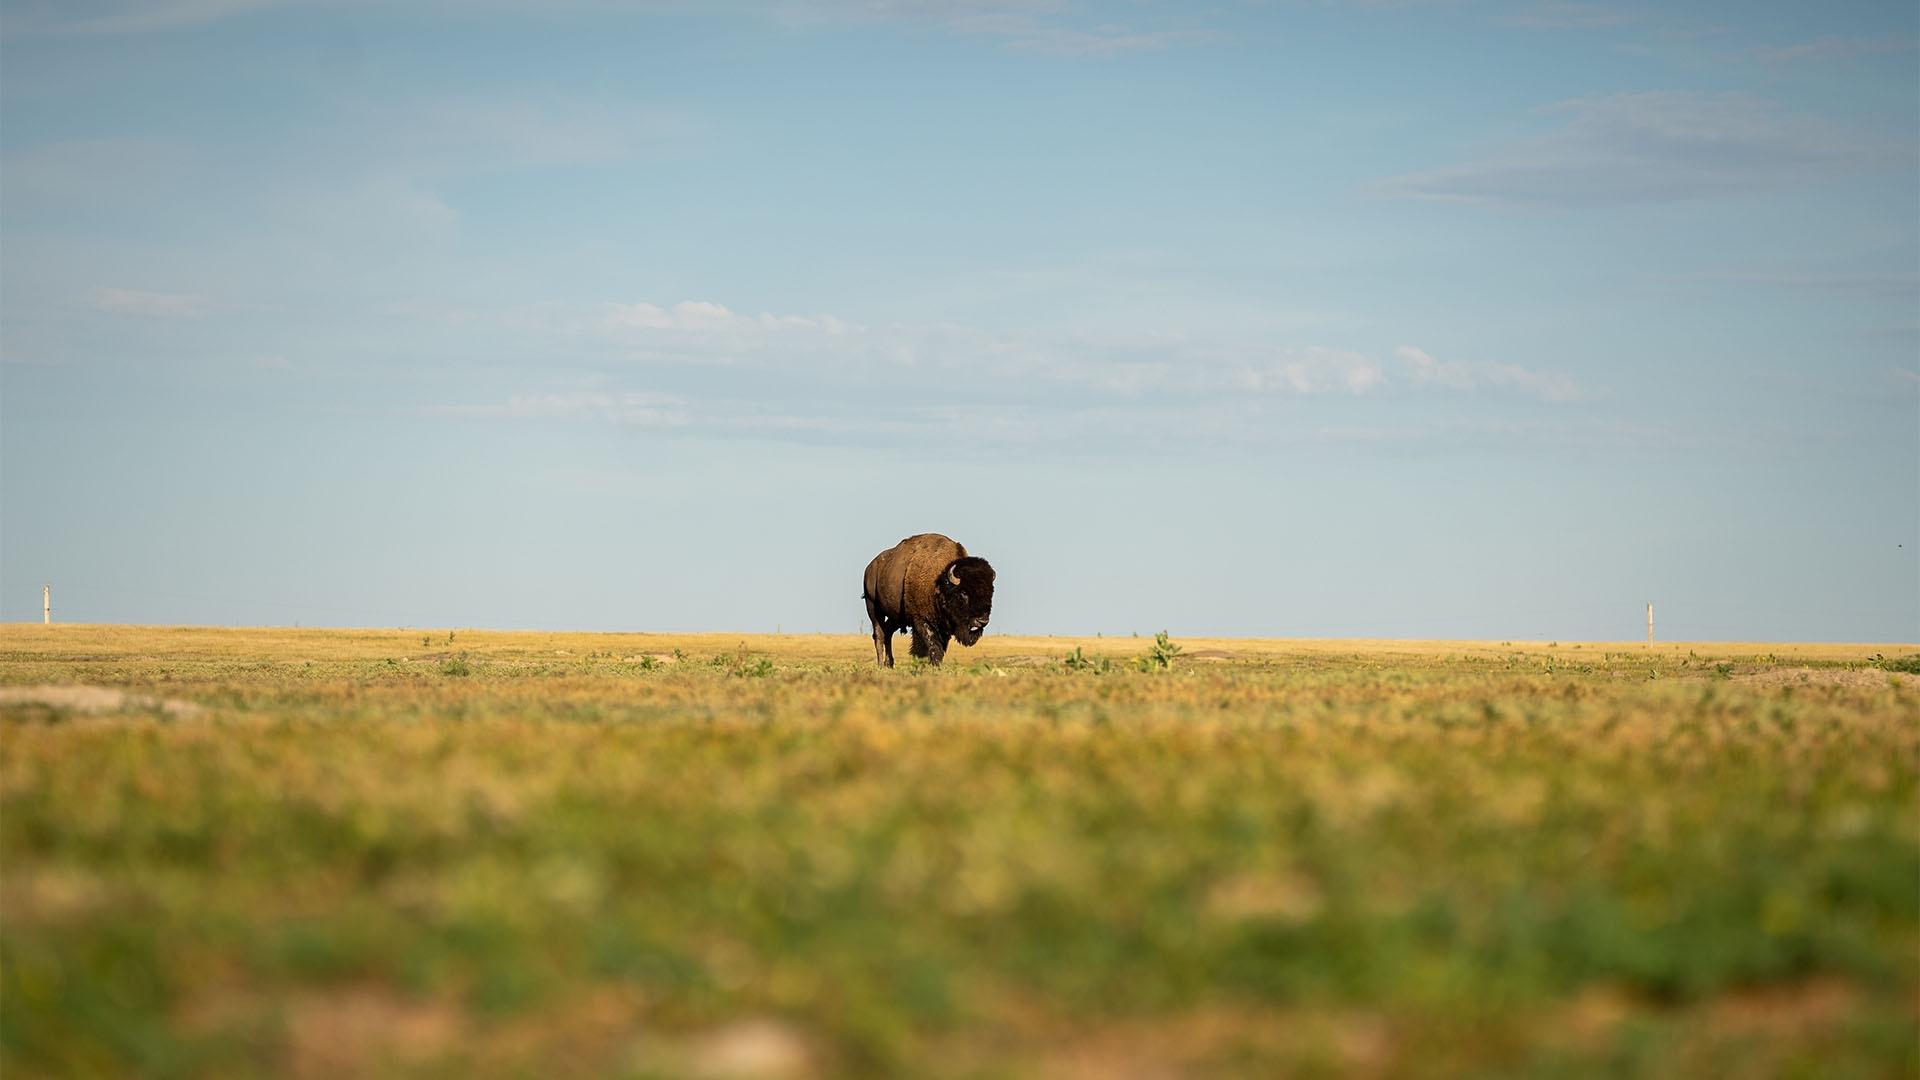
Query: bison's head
[[966, 591]]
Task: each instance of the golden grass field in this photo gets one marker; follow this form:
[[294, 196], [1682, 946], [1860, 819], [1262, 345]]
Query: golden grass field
[[431, 852]]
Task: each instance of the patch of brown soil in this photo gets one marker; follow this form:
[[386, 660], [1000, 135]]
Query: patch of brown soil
[[1818, 1005], [1207, 1042], [46, 894], [93, 699], [354, 1031], [1216, 1041], [1858, 678], [1592, 1018], [756, 1048]]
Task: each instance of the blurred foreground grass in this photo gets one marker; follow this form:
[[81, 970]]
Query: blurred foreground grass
[[328, 853]]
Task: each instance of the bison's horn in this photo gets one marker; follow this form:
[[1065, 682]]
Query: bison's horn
[[952, 578]]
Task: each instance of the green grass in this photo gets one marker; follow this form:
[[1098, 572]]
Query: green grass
[[549, 855]]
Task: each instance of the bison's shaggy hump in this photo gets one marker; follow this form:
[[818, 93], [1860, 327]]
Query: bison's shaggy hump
[[902, 577], [930, 585]]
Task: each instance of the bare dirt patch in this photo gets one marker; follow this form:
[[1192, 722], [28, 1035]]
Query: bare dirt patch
[[94, 699], [761, 1048], [1206, 1042], [1860, 678], [349, 1032], [1817, 1005]]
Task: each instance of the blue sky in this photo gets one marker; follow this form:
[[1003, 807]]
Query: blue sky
[[1477, 319]]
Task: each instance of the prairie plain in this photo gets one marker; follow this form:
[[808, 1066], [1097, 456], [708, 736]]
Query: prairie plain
[[433, 852]]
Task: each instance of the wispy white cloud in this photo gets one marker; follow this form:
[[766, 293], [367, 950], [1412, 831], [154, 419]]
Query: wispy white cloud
[[705, 333], [500, 131], [1026, 33], [1566, 15], [115, 173], [702, 316], [713, 370], [1899, 284], [701, 332], [375, 206], [359, 171], [1423, 370], [159, 305], [1656, 147], [1832, 47], [1035, 26], [1312, 370], [642, 409], [103, 17]]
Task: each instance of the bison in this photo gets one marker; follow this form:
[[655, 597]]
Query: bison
[[930, 585]]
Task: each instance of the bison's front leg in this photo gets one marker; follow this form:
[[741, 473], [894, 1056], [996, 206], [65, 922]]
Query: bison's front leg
[[936, 645]]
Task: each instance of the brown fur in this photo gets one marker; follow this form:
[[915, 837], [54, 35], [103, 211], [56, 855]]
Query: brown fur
[[910, 586]]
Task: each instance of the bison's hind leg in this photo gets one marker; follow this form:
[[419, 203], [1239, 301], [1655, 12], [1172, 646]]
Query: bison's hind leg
[[882, 636]]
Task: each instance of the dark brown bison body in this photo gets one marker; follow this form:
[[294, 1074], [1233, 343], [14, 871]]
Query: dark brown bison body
[[930, 585]]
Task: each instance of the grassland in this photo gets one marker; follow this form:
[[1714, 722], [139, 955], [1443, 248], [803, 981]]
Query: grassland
[[328, 853]]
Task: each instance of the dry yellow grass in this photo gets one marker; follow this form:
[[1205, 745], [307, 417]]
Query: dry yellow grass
[[116, 641], [456, 852]]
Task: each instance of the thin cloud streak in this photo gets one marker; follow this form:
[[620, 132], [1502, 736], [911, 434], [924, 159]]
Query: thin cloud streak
[[1313, 370], [1896, 284], [643, 409], [1044, 27], [828, 380], [697, 334], [159, 305], [1423, 370], [1033, 26], [1831, 48], [135, 17], [1657, 146], [1566, 15]]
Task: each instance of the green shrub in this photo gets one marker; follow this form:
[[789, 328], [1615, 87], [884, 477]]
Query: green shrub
[[1160, 656], [1079, 661]]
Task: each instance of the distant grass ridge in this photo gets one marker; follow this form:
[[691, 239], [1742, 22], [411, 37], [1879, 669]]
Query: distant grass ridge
[[633, 854]]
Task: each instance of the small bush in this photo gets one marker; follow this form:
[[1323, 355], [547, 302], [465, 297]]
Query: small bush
[[1160, 656], [1079, 661], [456, 667]]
